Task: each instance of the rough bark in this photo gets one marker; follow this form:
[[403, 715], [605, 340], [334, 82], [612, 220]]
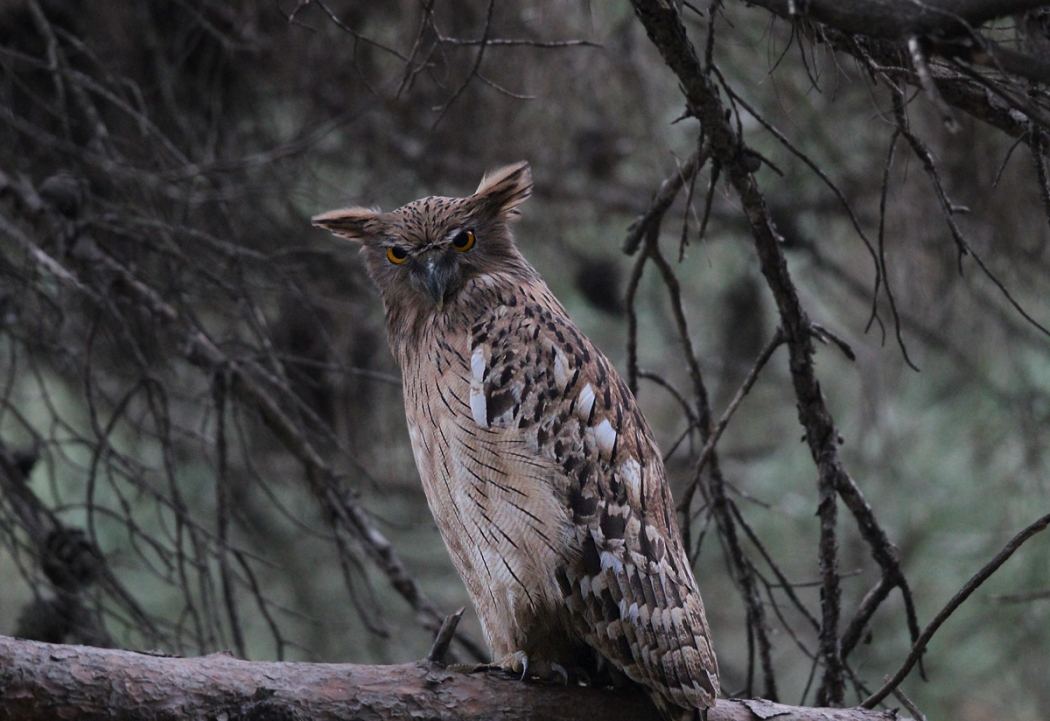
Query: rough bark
[[40, 681]]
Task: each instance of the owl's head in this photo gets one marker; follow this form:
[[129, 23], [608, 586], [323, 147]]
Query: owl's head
[[426, 251]]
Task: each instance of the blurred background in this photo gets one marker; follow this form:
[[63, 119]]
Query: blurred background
[[202, 436]]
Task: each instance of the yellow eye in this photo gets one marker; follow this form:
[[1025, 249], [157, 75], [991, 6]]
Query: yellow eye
[[463, 241], [396, 255]]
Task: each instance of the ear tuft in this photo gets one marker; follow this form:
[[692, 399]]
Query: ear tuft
[[359, 224], [504, 189]]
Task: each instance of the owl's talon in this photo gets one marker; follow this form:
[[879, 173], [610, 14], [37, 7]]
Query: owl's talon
[[516, 663], [527, 669]]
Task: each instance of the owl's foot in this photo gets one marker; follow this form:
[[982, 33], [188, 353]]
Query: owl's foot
[[519, 663]]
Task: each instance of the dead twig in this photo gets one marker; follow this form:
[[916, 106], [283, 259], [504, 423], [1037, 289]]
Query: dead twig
[[444, 637]]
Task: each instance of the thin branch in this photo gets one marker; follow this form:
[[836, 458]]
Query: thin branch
[[948, 211], [482, 44], [1038, 147], [663, 199], [338, 22], [919, 647], [716, 433], [743, 569], [412, 69], [918, 61], [526, 42], [883, 270], [812, 165], [667, 33], [1022, 597]]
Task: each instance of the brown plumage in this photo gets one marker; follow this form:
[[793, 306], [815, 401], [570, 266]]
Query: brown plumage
[[542, 475]]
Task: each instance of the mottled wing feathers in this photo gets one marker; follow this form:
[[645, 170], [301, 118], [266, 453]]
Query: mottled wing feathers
[[628, 585]]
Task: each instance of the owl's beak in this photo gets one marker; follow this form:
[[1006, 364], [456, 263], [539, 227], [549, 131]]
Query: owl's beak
[[436, 277]]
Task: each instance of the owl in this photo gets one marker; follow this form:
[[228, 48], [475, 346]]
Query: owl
[[542, 475]]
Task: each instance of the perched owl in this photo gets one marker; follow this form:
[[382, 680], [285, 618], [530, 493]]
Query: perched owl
[[543, 477]]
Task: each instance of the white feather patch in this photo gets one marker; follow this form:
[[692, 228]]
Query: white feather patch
[[561, 369], [605, 437], [661, 570], [477, 365], [585, 402], [631, 475], [479, 407], [609, 560]]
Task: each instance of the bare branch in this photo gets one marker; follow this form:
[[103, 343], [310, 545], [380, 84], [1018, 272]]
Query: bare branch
[[948, 211], [663, 199], [712, 440], [919, 647], [482, 44]]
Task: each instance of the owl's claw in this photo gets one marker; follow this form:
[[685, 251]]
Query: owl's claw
[[519, 664], [544, 671], [515, 663]]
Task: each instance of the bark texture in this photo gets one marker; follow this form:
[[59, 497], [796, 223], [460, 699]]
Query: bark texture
[[41, 681]]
